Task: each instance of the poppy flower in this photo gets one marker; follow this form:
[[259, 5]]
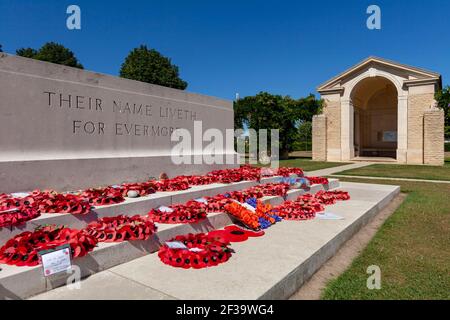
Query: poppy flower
[[100, 235], [28, 259], [197, 261], [77, 250]]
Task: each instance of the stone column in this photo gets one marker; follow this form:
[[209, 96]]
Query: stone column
[[402, 128], [347, 130], [433, 137], [319, 138], [332, 112], [418, 103]]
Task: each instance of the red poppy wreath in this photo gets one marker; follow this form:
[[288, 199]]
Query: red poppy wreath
[[317, 180], [103, 196], [304, 208], [197, 180], [269, 189], [22, 250], [245, 172], [191, 212], [54, 202], [142, 188], [286, 172], [217, 203], [17, 216], [175, 184], [331, 197], [14, 211], [198, 251], [121, 228], [234, 234]]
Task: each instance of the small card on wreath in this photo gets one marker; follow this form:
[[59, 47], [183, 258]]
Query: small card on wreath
[[202, 200], [329, 216], [20, 194], [165, 209], [176, 245], [56, 260]]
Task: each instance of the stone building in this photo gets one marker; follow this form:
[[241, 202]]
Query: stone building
[[380, 110]]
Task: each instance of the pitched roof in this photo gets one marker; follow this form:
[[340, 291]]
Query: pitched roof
[[425, 73]]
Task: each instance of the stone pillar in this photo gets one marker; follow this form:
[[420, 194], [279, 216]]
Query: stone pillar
[[319, 138], [417, 105], [332, 112], [402, 129], [357, 136], [347, 130], [433, 137]]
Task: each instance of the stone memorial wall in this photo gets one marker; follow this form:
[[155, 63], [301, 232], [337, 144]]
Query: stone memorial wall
[[67, 128]]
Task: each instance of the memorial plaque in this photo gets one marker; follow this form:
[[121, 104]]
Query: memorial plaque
[[67, 128]]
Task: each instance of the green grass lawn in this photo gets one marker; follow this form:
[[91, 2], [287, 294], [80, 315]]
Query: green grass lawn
[[308, 165], [412, 249], [403, 171]]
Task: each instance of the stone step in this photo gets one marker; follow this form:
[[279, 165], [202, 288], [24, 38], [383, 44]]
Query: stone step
[[130, 207], [141, 205], [270, 267], [23, 282]]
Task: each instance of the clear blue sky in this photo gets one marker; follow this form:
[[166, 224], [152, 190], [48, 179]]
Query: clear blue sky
[[246, 46]]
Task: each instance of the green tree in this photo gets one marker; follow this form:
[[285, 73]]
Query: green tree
[[26, 52], [443, 99], [148, 65], [267, 111], [52, 52], [305, 136]]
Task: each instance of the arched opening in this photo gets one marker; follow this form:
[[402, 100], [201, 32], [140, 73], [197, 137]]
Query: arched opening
[[375, 102]]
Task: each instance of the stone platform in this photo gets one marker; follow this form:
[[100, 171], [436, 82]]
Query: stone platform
[[22, 282], [270, 267]]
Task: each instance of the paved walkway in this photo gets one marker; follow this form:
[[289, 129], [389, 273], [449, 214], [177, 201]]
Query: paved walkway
[[331, 173], [333, 170], [387, 178]]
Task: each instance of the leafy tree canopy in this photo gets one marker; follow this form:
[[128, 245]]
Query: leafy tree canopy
[[51, 52], [26, 52], [148, 65], [267, 111], [443, 99]]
